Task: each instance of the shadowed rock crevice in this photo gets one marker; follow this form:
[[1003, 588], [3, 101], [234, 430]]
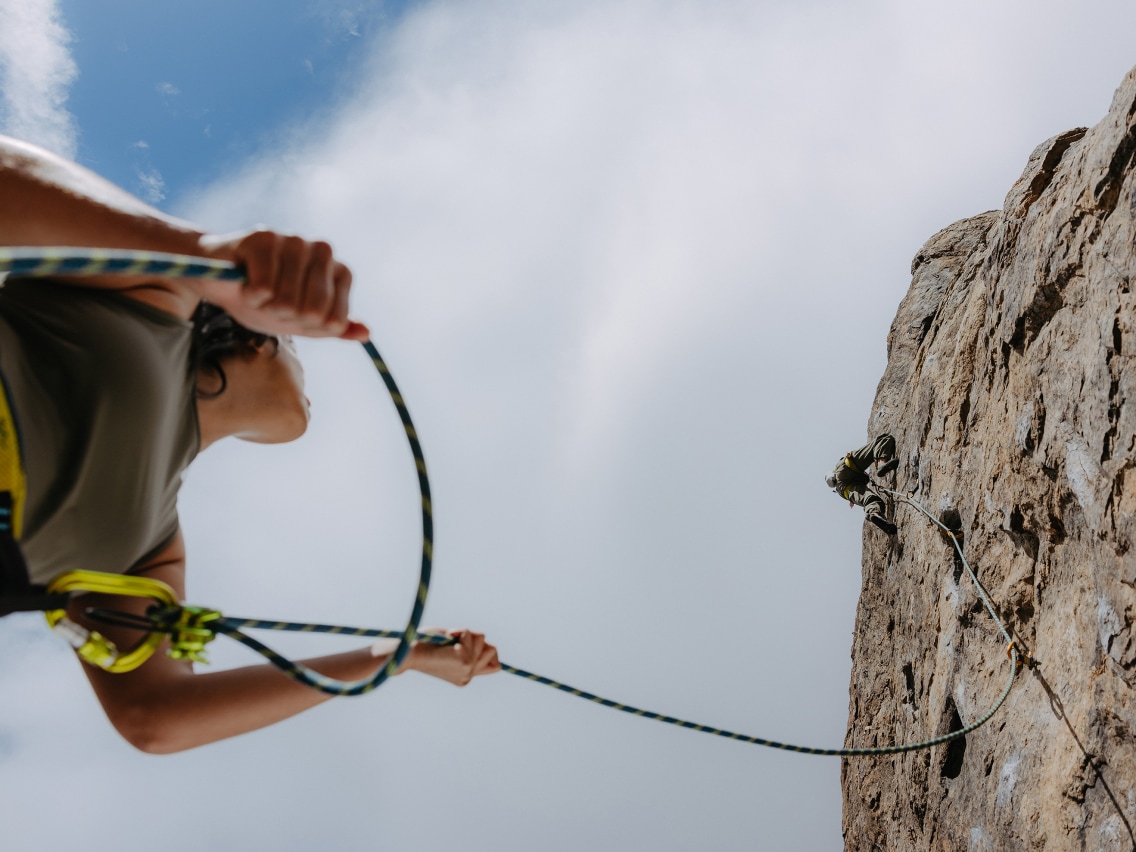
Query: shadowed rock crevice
[[1107, 192], [1046, 302], [955, 752], [1011, 389]]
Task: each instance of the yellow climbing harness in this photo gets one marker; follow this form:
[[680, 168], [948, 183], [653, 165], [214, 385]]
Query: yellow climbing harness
[[846, 491]]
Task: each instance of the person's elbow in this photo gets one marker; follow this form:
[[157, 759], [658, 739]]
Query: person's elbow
[[146, 725]]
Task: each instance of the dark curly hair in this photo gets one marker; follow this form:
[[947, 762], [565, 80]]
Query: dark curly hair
[[217, 336]]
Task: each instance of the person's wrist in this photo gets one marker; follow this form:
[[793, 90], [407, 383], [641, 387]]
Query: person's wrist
[[413, 659], [386, 647], [218, 246]]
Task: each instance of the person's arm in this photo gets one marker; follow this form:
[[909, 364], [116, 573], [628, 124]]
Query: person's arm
[[164, 706], [47, 200], [294, 286]]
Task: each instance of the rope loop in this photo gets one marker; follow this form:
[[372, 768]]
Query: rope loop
[[46, 261]]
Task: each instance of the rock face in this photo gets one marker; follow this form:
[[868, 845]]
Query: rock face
[[1011, 389]]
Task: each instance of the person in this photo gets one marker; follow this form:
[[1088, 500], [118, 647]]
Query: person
[[97, 374], [850, 478]]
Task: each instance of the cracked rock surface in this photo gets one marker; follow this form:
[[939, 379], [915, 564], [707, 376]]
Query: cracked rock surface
[[1011, 390]]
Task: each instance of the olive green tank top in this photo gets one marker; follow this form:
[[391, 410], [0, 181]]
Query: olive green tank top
[[102, 393]]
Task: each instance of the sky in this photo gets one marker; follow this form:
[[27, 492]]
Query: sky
[[633, 264]]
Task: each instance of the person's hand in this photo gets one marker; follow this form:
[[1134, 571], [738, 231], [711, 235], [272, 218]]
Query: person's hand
[[292, 286], [459, 663]]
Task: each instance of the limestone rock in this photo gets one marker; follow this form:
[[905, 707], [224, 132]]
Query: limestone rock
[[1011, 389]]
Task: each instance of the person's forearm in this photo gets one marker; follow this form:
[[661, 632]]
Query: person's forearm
[[184, 710], [292, 285], [46, 200]]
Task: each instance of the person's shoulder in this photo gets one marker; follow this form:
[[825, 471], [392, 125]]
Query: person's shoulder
[[176, 303], [173, 303], [150, 298]]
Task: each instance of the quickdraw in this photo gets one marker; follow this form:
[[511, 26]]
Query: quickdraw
[[190, 629]]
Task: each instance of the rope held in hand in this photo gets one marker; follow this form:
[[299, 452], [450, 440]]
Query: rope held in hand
[[56, 261], [234, 627], [190, 628]]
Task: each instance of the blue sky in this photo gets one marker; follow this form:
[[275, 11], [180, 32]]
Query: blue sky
[[634, 264], [171, 94]]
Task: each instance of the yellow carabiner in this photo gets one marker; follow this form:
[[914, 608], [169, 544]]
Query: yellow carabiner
[[91, 645]]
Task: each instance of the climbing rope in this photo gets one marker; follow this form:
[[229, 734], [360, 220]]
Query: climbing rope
[[43, 261], [190, 628], [954, 536], [214, 623]]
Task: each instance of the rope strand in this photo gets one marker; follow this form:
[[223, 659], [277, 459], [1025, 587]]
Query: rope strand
[[234, 627]]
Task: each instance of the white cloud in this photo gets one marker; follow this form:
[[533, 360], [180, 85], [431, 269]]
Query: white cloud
[[345, 20], [632, 264], [151, 186], [36, 70], [168, 89]]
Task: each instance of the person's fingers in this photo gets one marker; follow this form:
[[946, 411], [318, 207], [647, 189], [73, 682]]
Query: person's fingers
[[292, 286], [317, 296], [472, 644], [469, 656], [257, 253], [336, 314], [464, 645], [476, 644], [356, 331], [488, 661], [289, 285]]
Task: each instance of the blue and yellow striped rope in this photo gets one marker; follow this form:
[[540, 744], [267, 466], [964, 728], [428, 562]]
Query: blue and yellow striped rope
[[234, 627], [202, 624], [46, 261]]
